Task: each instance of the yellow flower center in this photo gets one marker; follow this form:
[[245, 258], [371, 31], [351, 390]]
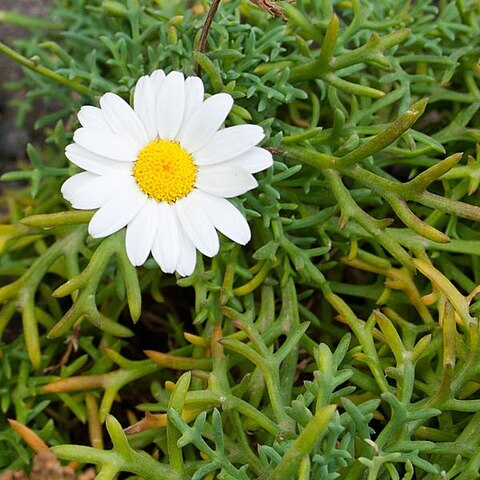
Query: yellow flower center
[[164, 171]]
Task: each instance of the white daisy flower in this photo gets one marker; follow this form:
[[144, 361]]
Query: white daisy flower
[[164, 169]]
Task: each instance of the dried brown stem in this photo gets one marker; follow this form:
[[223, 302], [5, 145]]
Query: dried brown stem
[[206, 28], [271, 7]]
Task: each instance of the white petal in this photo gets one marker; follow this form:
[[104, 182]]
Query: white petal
[[141, 232], [107, 144], [188, 255], [144, 100], [157, 77], [254, 160], [194, 94], [224, 180], [72, 184], [116, 213], [170, 106], [92, 117], [225, 217], [229, 143], [197, 224], [100, 190], [166, 245], [122, 118], [95, 163], [205, 121]]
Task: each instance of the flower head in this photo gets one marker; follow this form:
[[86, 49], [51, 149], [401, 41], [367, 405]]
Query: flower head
[[164, 169]]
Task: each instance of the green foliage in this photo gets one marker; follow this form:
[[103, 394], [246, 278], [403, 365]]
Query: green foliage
[[343, 341]]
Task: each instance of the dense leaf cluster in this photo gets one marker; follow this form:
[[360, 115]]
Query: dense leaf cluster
[[343, 341]]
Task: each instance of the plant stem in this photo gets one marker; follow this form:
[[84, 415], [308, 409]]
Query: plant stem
[[206, 28], [290, 463], [24, 61], [386, 137], [27, 21]]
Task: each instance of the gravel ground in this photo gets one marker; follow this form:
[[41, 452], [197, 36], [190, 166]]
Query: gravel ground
[[13, 142]]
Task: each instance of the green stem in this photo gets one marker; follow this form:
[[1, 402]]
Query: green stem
[[49, 220], [269, 368], [303, 445], [253, 414], [351, 210], [27, 21], [143, 465], [330, 41], [386, 188], [310, 157], [446, 205], [374, 46], [353, 88], [24, 289], [386, 137], [372, 50], [24, 61], [177, 401], [363, 335]]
